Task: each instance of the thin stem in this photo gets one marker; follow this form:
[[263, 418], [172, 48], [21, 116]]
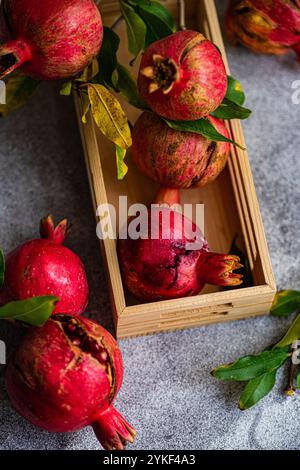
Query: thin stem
[[117, 22], [291, 389], [181, 8]]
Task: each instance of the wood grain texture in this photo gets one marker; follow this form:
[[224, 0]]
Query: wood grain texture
[[231, 208]]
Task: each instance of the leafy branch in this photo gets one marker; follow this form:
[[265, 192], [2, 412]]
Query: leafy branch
[[146, 22], [259, 371]]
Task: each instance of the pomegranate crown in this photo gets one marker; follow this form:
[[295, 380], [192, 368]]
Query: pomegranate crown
[[163, 74], [56, 234]]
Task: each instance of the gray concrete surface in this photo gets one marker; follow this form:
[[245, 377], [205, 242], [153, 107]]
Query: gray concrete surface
[[168, 393]]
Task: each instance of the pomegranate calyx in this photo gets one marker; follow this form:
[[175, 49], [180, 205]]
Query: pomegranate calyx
[[12, 55], [164, 73], [112, 430], [218, 269], [56, 234]]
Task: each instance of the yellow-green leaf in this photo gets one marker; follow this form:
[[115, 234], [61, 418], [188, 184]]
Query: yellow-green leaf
[[285, 303], [122, 168], [85, 105], [109, 115], [66, 88], [235, 92]]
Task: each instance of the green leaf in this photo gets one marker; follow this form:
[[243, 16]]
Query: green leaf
[[135, 27], [2, 268], [122, 168], [230, 110], [115, 75], [125, 84], [285, 303], [293, 334], [158, 20], [109, 116], [250, 367], [203, 127], [107, 57], [235, 92], [19, 89], [256, 389], [66, 88], [34, 311], [298, 380]]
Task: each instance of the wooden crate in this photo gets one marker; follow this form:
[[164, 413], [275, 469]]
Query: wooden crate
[[231, 208]]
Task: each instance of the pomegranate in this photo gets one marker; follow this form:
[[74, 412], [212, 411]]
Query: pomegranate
[[265, 26], [182, 77], [45, 267], [171, 258], [65, 376], [52, 39], [177, 159]]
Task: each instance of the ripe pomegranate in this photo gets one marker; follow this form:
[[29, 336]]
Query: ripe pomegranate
[[265, 26], [171, 258], [65, 376], [52, 39], [45, 267], [177, 159], [182, 77]]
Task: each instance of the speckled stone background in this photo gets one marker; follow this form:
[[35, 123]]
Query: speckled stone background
[[168, 393]]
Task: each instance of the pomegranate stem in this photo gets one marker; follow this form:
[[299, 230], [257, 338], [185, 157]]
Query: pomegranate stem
[[12, 55], [290, 390], [181, 8]]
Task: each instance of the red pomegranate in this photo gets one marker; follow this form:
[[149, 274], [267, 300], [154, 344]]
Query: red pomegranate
[[177, 159], [182, 77], [265, 26], [65, 376], [44, 266], [51, 39], [171, 258]]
